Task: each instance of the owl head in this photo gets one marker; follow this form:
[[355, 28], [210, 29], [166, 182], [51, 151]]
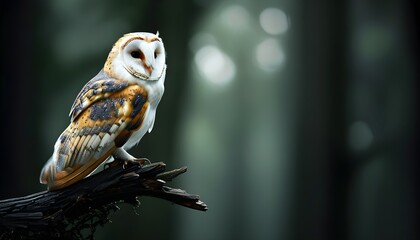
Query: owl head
[[137, 56]]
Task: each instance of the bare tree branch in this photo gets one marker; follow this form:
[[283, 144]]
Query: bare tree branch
[[87, 204]]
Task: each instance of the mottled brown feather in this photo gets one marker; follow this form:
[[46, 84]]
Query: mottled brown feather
[[111, 115]]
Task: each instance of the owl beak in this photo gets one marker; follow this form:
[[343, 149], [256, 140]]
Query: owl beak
[[148, 68]]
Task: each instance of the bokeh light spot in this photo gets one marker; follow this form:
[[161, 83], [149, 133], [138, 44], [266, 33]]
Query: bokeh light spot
[[274, 21], [269, 55], [214, 65], [360, 136], [235, 17]]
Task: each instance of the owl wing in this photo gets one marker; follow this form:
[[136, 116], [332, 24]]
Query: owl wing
[[99, 87], [103, 118]]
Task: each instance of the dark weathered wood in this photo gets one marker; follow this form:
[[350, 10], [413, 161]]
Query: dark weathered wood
[[87, 204]]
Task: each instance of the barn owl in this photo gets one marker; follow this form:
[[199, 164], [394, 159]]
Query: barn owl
[[112, 112]]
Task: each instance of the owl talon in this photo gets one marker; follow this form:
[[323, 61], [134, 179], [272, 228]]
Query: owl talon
[[143, 161], [128, 163], [111, 164], [138, 161]]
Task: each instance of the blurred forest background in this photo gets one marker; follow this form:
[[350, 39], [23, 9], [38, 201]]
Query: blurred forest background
[[296, 119]]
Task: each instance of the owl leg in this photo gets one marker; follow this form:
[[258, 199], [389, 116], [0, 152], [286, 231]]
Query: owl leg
[[121, 155]]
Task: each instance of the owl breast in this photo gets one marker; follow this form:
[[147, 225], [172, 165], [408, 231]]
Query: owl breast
[[148, 121], [155, 90]]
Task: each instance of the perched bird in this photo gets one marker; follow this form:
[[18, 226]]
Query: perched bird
[[112, 112]]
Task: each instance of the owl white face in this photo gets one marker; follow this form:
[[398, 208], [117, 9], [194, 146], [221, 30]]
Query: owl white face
[[137, 56]]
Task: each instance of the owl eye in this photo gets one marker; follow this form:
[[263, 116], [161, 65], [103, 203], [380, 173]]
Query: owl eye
[[156, 53], [137, 54]]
